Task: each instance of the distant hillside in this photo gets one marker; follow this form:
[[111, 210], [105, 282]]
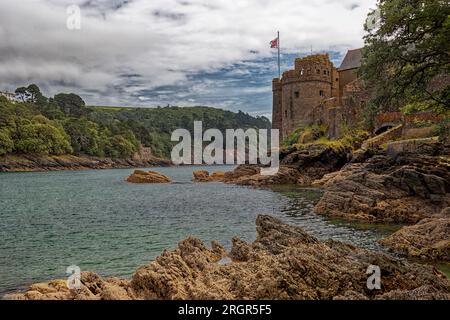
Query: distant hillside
[[153, 126], [65, 125]]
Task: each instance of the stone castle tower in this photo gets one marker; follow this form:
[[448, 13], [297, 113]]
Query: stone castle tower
[[296, 95]]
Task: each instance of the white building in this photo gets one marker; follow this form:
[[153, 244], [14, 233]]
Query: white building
[[8, 95]]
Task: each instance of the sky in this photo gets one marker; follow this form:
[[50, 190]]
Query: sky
[[146, 53]]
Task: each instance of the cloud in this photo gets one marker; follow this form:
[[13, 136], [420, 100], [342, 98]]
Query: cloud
[[199, 51]]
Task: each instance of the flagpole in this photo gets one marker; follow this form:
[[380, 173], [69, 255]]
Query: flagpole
[[279, 67]]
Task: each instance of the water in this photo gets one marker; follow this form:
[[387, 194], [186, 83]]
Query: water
[[99, 222]]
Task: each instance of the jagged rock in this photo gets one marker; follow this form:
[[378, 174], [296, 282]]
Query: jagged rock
[[93, 287], [429, 239], [204, 176], [301, 164], [140, 176], [382, 189], [283, 263], [201, 176], [250, 175]]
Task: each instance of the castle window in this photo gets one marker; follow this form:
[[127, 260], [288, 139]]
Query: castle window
[[321, 93], [337, 79], [325, 72], [297, 94], [318, 71], [301, 72], [285, 113]]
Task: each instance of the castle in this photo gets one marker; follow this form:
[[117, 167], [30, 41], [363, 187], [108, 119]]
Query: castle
[[317, 92]]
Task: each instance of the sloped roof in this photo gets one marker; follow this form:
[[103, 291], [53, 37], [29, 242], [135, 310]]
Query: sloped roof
[[352, 60]]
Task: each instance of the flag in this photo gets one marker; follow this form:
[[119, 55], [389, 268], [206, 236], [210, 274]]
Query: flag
[[274, 43]]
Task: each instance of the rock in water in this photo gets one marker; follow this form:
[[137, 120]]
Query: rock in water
[[283, 263], [140, 176], [429, 240], [204, 176], [201, 176]]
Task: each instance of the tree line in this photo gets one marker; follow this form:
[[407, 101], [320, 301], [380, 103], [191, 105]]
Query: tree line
[[64, 124]]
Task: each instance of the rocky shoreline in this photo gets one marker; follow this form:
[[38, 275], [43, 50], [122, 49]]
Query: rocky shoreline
[[27, 163], [409, 186], [283, 263]]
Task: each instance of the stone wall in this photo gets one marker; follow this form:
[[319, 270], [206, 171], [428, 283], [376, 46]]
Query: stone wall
[[276, 106], [346, 77], [340, 113]]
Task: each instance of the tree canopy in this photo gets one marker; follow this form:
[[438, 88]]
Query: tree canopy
[[406, 58]]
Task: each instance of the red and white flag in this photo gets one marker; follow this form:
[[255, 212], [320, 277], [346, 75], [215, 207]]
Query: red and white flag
[[274, 43]]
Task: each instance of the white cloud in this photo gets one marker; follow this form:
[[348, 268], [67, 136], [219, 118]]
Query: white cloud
[[161, 41]]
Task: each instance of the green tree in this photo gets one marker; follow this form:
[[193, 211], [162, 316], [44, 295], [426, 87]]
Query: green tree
[[42, 139], [71, 104], [121, 147], [406, 58], [85, 136], [6, 142]]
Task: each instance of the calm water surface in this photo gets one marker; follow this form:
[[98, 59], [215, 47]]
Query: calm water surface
[[99, 222]]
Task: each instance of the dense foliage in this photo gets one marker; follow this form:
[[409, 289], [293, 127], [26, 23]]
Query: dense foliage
[[407, 55], [65, 125]]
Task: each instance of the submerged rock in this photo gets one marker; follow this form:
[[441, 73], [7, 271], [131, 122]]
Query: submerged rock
[[429, 239], [382, 189], [283, 263], [140, 176]]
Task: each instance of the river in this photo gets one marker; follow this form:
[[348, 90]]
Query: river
[[99, 222]]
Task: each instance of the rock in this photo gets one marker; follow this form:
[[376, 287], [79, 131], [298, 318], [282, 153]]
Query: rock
[[140, 176], [204, 176], [333, 177], [424, 146], [300, 164], [201, 176], [217, 176], [382, 189], [429, 239], [93, 287], [245, 175], [283, 263]]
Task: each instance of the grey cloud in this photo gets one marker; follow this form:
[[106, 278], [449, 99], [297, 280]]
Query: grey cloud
[[126, 48]]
